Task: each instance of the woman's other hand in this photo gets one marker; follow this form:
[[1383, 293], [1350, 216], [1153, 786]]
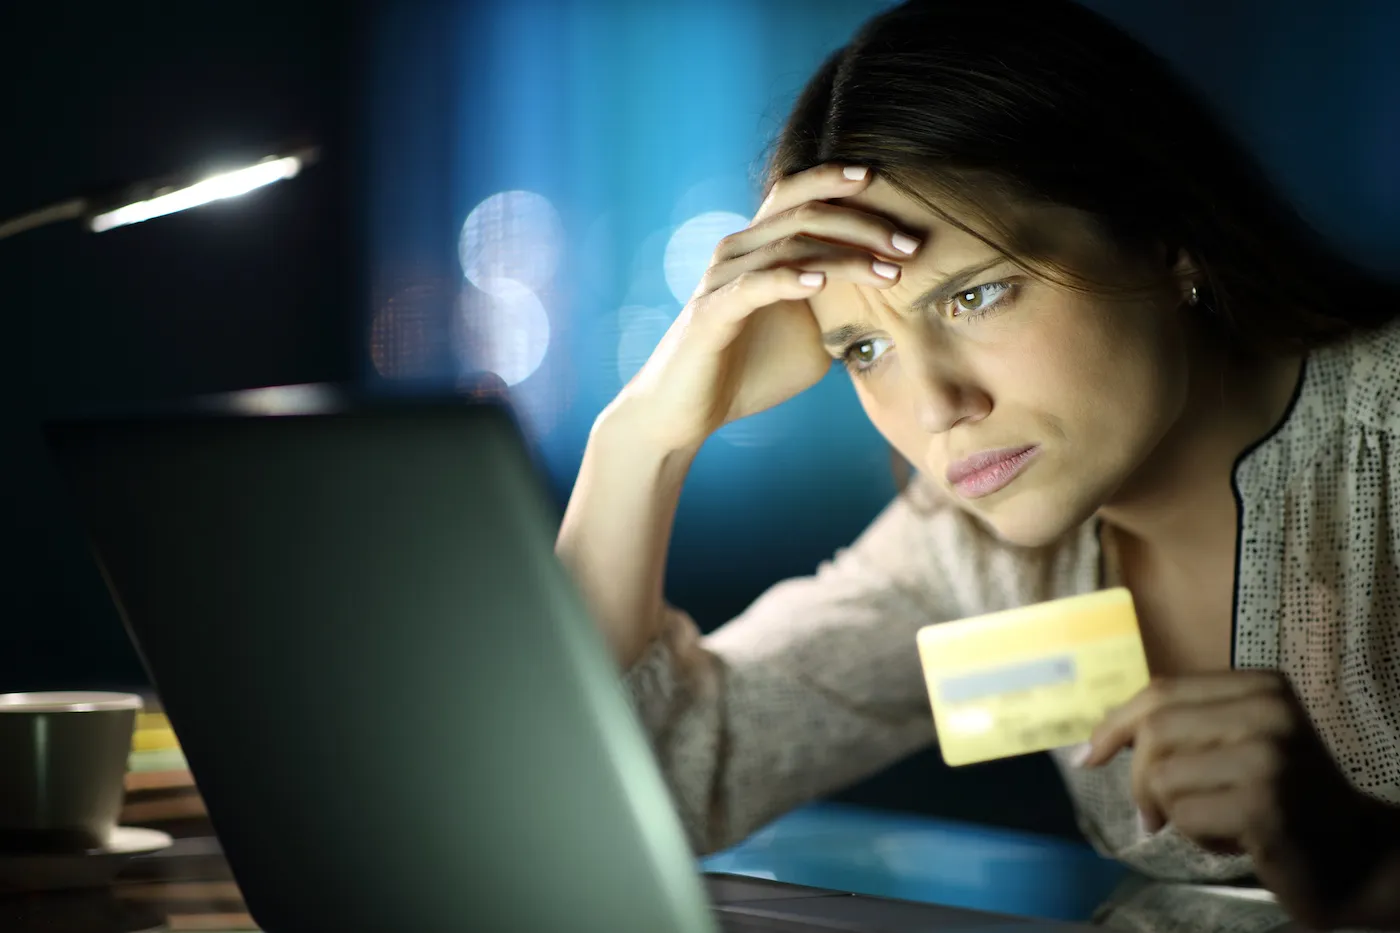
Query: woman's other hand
[[1232, 762]]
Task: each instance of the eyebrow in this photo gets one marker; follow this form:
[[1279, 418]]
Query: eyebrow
[[941, 292]]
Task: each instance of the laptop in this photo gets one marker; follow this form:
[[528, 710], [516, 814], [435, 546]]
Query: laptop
[[394, 703]]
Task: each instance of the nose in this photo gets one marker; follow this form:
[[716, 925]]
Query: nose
[[945, 395]]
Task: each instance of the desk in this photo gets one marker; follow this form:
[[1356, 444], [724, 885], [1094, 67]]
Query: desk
[[189, 886], [918, 858]]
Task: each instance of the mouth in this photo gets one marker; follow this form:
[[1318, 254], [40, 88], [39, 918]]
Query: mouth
[[989, 471]]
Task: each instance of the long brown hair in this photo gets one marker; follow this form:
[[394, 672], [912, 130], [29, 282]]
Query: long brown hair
[[955, 101]]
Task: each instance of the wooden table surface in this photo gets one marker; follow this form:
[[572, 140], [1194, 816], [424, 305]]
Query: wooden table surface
[[186, 887]]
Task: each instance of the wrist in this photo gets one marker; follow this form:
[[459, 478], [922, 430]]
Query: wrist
[[627, 428]]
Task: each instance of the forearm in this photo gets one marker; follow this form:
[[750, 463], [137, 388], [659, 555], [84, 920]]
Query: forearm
[[617, 529]]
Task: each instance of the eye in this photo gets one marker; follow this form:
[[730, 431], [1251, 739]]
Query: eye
[[980, 299], [864, 354]]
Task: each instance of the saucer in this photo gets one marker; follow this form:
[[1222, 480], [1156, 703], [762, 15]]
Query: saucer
[[91, 869]]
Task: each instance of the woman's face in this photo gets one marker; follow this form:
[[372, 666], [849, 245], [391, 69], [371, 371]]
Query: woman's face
[[1030, 404]]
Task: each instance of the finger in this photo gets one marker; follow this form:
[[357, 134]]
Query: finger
[[1200, 725], [812, 255], [828, 180], [1164, 770], [837, 223], [1161, 781], [1217, 820], [1121, 724], [1251, 766], [730, 305]]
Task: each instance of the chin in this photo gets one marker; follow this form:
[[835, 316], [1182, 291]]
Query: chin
[[1032, 520]]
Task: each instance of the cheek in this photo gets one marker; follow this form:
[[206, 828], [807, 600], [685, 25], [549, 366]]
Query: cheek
[[1131, 369], [891, 410], [1101, 368]]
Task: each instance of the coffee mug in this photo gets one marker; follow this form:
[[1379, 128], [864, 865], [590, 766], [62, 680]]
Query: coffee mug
[[64, 761]]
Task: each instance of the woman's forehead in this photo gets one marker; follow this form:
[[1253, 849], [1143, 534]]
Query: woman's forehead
[[1039, 227], [944, 248], [1046, 231], [885, 200]]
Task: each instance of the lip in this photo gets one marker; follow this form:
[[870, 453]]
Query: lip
[[984, 473]]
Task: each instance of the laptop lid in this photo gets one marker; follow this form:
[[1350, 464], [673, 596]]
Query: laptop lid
[[392, 699]]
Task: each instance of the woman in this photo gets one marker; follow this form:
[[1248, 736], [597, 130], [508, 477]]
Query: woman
[[1115, 357]]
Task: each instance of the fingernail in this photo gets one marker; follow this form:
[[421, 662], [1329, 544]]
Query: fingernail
[[1080, 754], [811, 279], [854, 172], [905, 244], [886, 269]]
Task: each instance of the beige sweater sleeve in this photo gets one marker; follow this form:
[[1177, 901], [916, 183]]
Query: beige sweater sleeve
[[814, 686]]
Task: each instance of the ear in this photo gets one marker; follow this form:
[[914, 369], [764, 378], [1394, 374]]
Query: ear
[[1186, 272]]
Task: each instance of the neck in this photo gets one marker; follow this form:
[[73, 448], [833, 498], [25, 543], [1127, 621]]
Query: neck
[[1180, 502]]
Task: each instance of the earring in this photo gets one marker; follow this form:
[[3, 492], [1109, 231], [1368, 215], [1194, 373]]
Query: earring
[[1195, 298]]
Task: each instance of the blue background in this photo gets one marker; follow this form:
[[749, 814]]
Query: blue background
[[632, 117], [629, 117]]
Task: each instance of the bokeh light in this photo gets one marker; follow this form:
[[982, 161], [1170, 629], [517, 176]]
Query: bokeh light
[[513, 238], [541, 403], [733, 193], [505, 331], [646, 279], [691, 247], [409, 336], [640, 329]]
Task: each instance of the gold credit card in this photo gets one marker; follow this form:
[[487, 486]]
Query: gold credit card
[[1025, 680]]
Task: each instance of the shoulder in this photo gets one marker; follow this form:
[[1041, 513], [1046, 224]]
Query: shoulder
[[1366, 378], [1346, 409]]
